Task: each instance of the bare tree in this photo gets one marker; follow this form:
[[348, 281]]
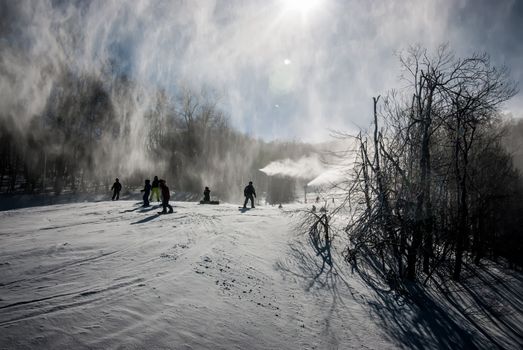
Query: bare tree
[[414, 177]]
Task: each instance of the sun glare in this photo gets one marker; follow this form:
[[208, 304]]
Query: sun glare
[[303, 6]]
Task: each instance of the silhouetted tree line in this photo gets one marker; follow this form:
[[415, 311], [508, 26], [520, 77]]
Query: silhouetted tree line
[[94, 129], [66, 144], [434, 186]]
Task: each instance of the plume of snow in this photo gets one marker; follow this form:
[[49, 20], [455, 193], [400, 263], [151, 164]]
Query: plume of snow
[[328, 178], [303, 168]]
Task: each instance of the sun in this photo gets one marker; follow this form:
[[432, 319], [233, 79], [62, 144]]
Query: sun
[[303, 6]]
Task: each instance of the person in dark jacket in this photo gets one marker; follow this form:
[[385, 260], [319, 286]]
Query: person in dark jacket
[[250, 193], [117, 187], [166, 195], [146, 192], [207, 194], [155, 190]]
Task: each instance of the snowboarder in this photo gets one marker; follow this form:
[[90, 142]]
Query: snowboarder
[[146, 192], [207, 195], [155, 190], [117, 187], [249, 192], [166, 195]]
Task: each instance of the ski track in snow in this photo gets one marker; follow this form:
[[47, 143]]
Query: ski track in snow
[[112, 274], [115, 275]]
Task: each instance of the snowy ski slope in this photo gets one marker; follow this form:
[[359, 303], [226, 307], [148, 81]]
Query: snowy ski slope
[[112, 275]]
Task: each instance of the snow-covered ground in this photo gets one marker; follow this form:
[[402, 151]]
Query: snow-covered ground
[[115, 275]]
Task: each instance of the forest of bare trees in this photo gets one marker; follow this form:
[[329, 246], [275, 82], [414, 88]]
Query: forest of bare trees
[[88, 134], [434, 185]]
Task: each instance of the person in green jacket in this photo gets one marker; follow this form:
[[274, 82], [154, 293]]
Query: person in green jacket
[[155, 190]]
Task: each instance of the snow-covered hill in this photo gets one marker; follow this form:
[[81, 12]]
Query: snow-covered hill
[[115, 275]]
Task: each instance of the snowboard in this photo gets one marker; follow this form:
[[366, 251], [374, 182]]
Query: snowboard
[[209, 202]]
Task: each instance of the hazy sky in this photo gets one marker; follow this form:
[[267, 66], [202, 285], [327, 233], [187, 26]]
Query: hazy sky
[[282, 68]]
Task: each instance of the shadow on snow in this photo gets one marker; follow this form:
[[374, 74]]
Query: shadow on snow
[[414, 320], [147, 219]]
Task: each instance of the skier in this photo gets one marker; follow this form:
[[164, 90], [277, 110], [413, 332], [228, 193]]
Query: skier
[[155, 190], [207, 195], [249, 192], [117, 187], [166, 195], [146, 192]]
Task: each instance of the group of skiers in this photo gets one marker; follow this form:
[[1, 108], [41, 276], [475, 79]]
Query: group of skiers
[[152, 191]]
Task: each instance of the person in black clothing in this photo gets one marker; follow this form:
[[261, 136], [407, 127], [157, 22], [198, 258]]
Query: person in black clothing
[[207, 195], [155, 188], [146, 192], [166, 195], [117, 187], [249, 192]]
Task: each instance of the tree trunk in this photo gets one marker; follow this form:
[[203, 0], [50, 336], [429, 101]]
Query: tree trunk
[[423, 227], [385, 208], [462, 232]]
